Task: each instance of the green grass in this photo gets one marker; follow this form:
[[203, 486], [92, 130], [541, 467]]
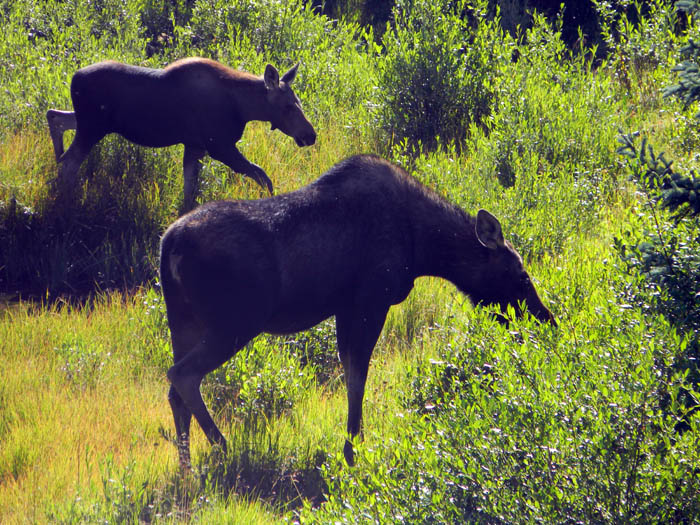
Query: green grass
[[465, 419]]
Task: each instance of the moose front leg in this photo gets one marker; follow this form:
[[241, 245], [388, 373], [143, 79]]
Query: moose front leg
[[357, 334], [235, 160]]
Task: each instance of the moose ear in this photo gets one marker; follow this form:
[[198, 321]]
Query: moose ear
[[272, 77], [288, 77], [488, 230]]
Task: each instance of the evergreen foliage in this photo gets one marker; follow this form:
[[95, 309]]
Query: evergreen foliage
[[667, 255], [678, 193], [669, 258], [688, 87]]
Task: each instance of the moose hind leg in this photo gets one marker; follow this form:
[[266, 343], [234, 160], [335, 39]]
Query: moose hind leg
[[186, 333], [59, 122], [182, 416], [72, 159], [186, 377]]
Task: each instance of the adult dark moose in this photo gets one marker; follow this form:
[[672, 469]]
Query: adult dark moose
[[350, 244], [195, 101]]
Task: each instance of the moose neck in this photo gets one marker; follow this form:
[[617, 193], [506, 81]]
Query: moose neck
[[446, 243], [251, 100]]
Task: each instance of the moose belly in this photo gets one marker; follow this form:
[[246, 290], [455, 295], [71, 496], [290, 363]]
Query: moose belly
[[152, 134], [296, 318], [153, 125]]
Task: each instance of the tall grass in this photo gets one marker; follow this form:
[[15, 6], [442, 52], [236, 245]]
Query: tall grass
[[465, 420], [74, 395]]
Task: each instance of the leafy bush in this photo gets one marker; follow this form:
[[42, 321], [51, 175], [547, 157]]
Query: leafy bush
[[46, 42], [280, 31], [687, 89], [532, 425], [159, 19], [639, 37], [662, 248], [541, 166], [261, 380], [82, 364], [664, 251], [316, 348], [153, 333], [545, 107], [438, 71]]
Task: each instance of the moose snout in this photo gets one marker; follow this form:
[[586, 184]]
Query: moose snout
[[531, 304], [545, 316], [538, 309], [308, 139], [540, 312]]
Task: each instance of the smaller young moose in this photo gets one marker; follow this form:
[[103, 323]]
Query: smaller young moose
[[195, 101], [350, 244]]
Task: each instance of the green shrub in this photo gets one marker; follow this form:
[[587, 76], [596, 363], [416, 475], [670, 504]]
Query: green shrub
[[159, 18], [545, 108], [82, 364], [316, 348], [533, 425], [152, 336], [261, 380], [46, 42], [279, 31], [438, 71], [640, 40], [666, 251]]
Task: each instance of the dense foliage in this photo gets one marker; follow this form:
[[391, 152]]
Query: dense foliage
[[467, 420], [438, 71]]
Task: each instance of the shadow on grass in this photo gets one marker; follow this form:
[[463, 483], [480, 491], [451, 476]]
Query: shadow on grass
[[256, 467], [283, 482], [103, 234]]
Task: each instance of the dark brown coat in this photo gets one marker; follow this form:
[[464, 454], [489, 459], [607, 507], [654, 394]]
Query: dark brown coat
[[349, 245], [195, 101]]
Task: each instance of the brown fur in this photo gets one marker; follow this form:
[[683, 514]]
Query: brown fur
[[197, 102], [349, 245]]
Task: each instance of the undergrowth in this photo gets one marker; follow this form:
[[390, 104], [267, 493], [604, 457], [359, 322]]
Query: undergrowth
[[466, 420]]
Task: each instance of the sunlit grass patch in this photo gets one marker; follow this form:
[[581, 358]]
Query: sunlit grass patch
[[70, 406]]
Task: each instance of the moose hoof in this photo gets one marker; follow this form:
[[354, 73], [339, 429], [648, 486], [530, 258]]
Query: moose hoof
[[349, 453], [259, 176]]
